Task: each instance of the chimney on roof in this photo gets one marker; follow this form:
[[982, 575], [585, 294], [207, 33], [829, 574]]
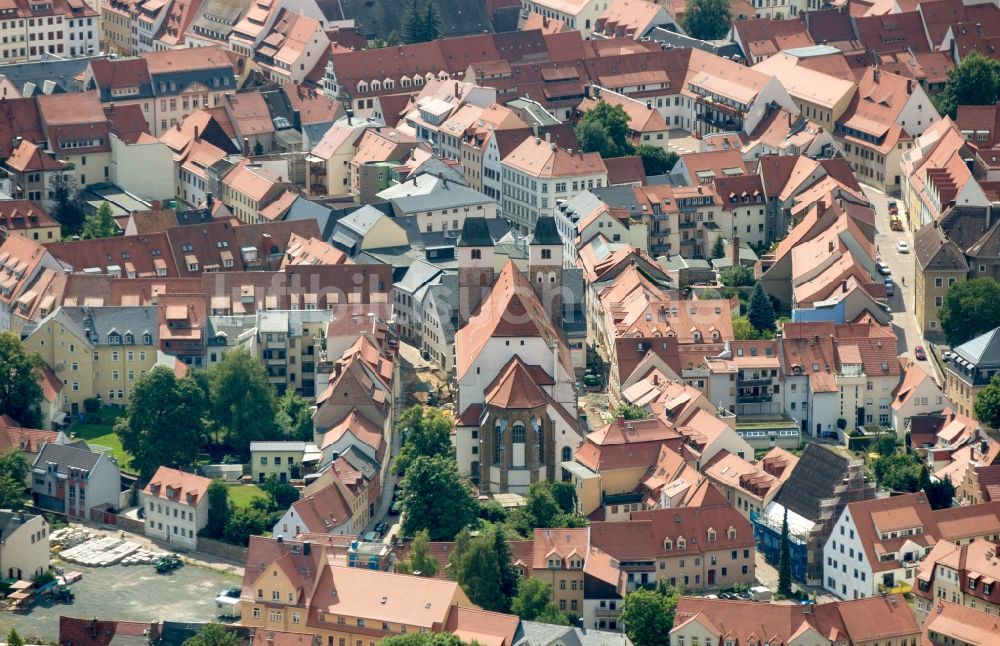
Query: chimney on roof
[[209, 201], [350, 116], [548, 137], [306, 548], [843, 285], [246, 147], [830, 246], [876, 75], [534, 129], [909, 86], [621, 421], [649, 105], [736, 251], [197, 134]]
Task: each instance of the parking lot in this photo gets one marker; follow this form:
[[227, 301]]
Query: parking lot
[[134, 593]]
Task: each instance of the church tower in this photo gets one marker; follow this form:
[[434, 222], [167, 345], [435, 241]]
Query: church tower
[[545, 267], [475, 266]]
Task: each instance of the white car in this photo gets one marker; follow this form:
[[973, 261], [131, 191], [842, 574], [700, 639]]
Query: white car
[[902, 247], [883, 268]]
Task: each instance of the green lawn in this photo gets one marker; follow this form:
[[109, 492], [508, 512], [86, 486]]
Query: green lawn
[[99, 429], [242, 494]]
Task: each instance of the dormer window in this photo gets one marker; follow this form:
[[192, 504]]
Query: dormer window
[[129, 339], [555, 564], [114, 338], [711, 535], [147, 338], [667, 545], [731, 533], [681, 543]]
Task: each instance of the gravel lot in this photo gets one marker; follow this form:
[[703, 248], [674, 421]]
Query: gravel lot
[[135, 593]]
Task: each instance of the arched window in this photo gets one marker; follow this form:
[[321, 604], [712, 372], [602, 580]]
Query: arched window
[[517, 436], [498, 445], [517, 445], [567, 454]]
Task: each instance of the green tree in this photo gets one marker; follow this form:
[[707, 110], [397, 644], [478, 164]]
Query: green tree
[[988, 403], [20, 387], [411, 29], [565, 495], [162, 425], [431, 23], [541, 506], [737, 276], [718, 248], [974, 81], [14, 472], [422, 639], [505, 561], [899, 472], [258, 148], [671, 595], [534, 600], [655, 160], [214, 634], [14, 639], [760, 311], [294, 417], [971, 307], [100, 225], [246, 522], [426, 431], [743, 331], [707, 19], [280, 495], [243, 401], [219, 509], [939, 493], [631, 411], [475, 566], [420, 562], [69, 206], [604, 129], [435, 498], [644, 615], [785, 560], [886, 444]]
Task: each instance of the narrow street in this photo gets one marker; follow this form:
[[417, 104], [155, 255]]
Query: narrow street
[[903, 267]]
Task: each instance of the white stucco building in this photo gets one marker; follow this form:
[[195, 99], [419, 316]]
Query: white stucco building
[[176, 507]]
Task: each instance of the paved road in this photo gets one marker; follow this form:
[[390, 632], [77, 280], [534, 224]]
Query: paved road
[[903, 267]]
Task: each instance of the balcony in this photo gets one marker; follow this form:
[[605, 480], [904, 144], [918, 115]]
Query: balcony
[[688, 224], [753, 399], [723, 123], [899, 588], [659, 248], [607, 612], [766, 381]]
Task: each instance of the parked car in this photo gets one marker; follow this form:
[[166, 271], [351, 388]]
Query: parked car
[[890, 287], [394, 509], [902, 247], [920, 353], [373, 537], [895, 223], [382, 527], [893, 208], [883, 268]]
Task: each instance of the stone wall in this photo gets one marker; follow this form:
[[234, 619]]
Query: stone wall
[[224, 551], [131, 525]]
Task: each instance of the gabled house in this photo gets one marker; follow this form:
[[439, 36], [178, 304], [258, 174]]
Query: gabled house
[[176, 507], [73, 480]]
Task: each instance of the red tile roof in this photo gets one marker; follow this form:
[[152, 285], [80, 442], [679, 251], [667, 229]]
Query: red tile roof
[[177, 486]]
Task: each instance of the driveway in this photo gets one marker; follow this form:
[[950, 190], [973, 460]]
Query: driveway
[[903, 267]]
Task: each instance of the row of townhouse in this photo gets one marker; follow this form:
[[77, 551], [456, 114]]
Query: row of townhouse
[[32, 29], [882, 546], [319, 585]]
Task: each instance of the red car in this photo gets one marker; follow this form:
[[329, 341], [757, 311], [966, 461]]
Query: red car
[[920, 353]]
